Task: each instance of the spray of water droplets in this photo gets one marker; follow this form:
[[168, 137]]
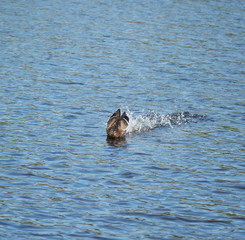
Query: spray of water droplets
[[151, 120]]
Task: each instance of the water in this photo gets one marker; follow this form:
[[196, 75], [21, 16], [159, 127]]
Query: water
[[66, 66]]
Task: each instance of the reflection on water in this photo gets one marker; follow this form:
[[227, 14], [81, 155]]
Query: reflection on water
[[67, 65], [117, 142]]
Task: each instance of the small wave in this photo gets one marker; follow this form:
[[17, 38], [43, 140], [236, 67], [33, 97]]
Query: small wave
[[151, 120]]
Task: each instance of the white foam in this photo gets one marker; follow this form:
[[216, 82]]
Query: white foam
[[151, 120], [144, 122]]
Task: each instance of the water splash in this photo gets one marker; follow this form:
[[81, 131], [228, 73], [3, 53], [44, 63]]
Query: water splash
[[145, 122]]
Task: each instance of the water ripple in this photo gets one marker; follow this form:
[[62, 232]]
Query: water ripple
[[176, 67]]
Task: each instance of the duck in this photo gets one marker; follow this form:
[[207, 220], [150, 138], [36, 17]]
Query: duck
[[117, 125]]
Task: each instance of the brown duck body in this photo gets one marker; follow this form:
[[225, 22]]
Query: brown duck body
[[117, 125]]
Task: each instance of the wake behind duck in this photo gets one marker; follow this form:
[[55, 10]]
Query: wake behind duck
[[118, 126]]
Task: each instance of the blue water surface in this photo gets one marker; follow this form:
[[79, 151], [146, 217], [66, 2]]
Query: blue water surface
[[66, 66]]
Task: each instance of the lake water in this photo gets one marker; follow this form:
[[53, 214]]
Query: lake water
[[66, 66]]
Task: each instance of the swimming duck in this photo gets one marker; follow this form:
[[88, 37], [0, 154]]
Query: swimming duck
[[117, 125]]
